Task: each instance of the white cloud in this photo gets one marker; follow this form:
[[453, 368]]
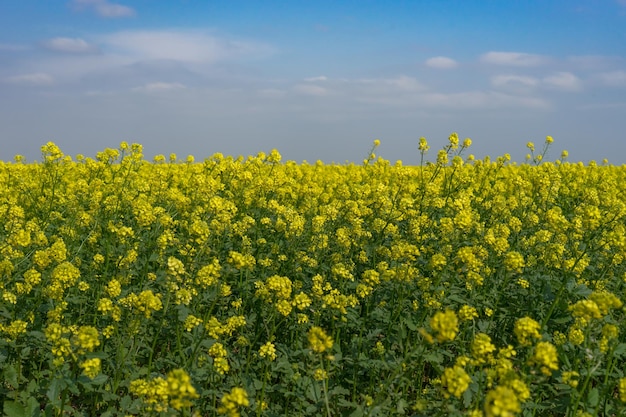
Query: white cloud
[[441, 62], [513, 80], [614, 78], [595, 62], [12, 47], [404, 83], [38, 78], [478, 100], [565, 81], [311, 90], [69, 45], [105, 8], [315, 79], [158, 87], [187, 46], [514, 59]]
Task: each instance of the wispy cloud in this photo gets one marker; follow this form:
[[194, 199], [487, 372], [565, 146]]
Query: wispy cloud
[[514, 59], [316, 79], [12, 47], [564, 81], [105, 8], [508, 80], [483, 100], [405, 93], [178, 45], [158, 87], [595, 62], [613, 78], [441, 62], [311, 90], [70, 45], [38, 78]]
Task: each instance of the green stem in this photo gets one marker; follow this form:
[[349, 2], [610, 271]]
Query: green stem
[[325, 388], [582, 391]]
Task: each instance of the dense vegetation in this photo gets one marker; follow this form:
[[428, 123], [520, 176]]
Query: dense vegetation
[[255, 287]]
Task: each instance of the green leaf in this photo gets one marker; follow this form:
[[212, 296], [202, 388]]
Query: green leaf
[[401, 406], [433, 357], [32, 407], [358, 412], [55, 389], [10, 376], [593, 398], [620, 349], [467, 398], [14, 409], [410, 324], [99, 380]]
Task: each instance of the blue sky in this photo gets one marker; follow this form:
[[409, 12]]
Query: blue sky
[[314, 79]]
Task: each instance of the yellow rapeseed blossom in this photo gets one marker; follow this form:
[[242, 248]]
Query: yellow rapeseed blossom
[[233, 401], [320, 374], [482, 348], [91, 367], [445, 325], [268, 350], [319, 341], [586, 309], [179, 389], [467, 313], [570, 378], [455, 381], [525, 330], [14, 330], [86, 339], [501, 402], [545, 356], [622, 390]]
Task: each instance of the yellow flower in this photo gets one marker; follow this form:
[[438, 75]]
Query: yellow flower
[[114, 288], [445, 325], [180, 390], [501, 402], [217, 350], [268, 350], [570, 378], [153, 393], [91, 367], [455, 381], [576, 336], [467, 313], [231, 402], [13, 330], [482, 348], [319, 340], [320, 374], [546, 356], [514, 261], [525, 330], [586, 309], [622, 390], [379, 348], [191, 322], [86, 339]]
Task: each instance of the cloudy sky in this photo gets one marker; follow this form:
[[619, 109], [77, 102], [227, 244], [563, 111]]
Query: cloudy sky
[[315, 79]]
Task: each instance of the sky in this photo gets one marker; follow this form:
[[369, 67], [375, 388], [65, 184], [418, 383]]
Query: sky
[[317, 80]]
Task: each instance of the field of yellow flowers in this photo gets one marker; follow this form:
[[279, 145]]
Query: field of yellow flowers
[[255, 287]]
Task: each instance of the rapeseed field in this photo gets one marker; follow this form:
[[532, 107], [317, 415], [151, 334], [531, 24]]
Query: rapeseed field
[[256, 287]]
